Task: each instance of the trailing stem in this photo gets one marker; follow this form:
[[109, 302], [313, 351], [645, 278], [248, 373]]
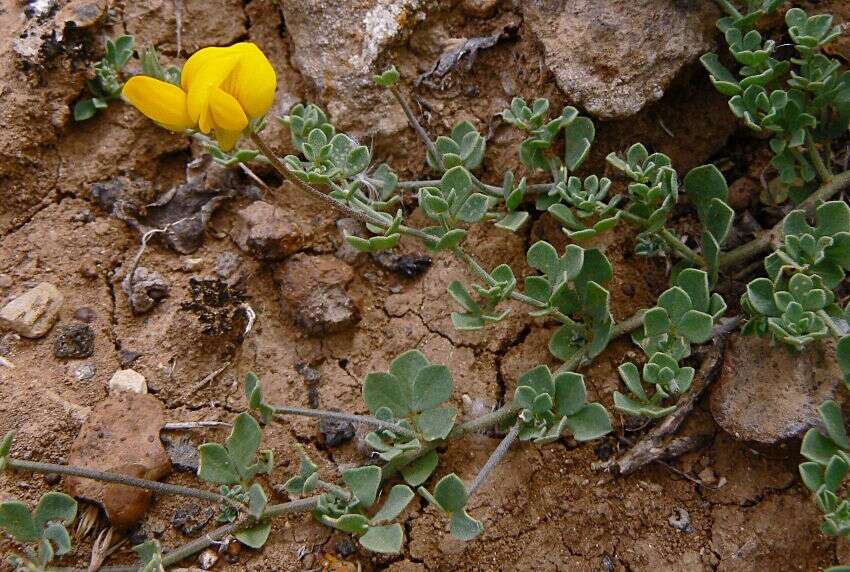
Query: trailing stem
[[364, 419], [495, 458]]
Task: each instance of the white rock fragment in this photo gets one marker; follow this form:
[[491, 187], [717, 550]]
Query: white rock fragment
[[34, 312], [128, 380]]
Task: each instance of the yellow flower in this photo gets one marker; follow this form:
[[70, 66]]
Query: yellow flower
[[221, 90]]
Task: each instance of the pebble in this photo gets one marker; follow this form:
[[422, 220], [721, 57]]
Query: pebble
[[83, 371], [182, 451], [33, 313], [5, 281], [85, 314], [207, 559], [128, 380], [336, 432], [74, 341], [680, 519]]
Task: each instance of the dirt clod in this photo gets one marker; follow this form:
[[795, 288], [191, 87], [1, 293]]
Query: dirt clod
[[336, 432], [182, 451], [145, 290], [125, 505], [268, 232], [74, 341], [191, 519]]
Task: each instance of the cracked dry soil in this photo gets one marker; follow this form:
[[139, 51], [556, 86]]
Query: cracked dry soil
[[544, 508]]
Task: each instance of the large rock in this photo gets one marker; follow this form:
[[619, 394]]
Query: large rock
[[766, 394], [335, 46], [612, 57], [313, 287], [34, 312]]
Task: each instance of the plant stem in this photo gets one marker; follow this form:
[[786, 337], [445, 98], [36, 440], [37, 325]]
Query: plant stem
[[365, 419], [773, 236], [155, 486], [362, 216], [729, 8], [473, 265], [495, 458], [420, 131], [669, 238], [817, 160], [833, 327], [486, 421], [334, 490]]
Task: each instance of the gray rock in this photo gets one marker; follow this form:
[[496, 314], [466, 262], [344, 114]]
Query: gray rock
[[83, 371], [267, 232], [335, 46], [336, 432], [680, 519], [182, 451], [327, 311], [612, 57], [228, 267], [766, 394], [34, 312], [147, 289], [191, 519], [74, 341]]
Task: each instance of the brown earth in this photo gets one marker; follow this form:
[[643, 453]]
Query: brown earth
[[544, 508]]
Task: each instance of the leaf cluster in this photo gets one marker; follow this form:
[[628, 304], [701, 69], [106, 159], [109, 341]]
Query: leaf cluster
[[107, 82], [44, 527]]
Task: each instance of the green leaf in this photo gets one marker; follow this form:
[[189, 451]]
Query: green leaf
[[563, 344], [407, 366], [842, 352], [215, 465], [353, 523], [719, 221], [419, 470], [363, 483], [243, 442], [473, 208], [578, 137], [703, 184], [58, 536], [257, 500], [830, 412], [695, 283], [591, 422], [256, 536], [450, 493], [57, 507], [386, 390], [398, 499], [812, 475], [677, 303], [817, 448], [432, 386], [388, 78], [760, 295], [544, 258], [631, 377], [15, 518], [436, 423], [832, 217], [464, 527], [656, 322], [570, 393], [383, 539], [723, 79], [696, 326], [84, 109], [539, 379], [513, 221]]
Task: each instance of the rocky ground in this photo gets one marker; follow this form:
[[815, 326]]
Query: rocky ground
[[71, 231]]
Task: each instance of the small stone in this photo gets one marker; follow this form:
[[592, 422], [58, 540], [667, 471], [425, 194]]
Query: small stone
[[85, 314], [34, 312], [228, 267], [128, 380], [127, 357], [182, 451], [191, 519], [336, 432], [5, 281], [479, 8], [52, 479], [707, 476], [83, 371], [191, 264], [74, 341], [349, 227], [207, 559], [345, 547], [267, 232], [680, 520], [148, 288]]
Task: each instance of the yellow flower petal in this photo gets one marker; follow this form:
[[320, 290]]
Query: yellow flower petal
[[227, 139], [196, 62], [226, 112], [254, 81], [212, 74], [161, 101]]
